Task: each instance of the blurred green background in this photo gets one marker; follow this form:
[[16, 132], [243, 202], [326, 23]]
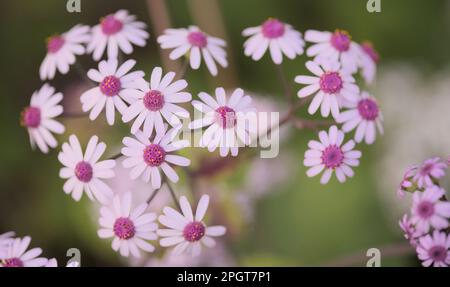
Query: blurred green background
[[300, 222]]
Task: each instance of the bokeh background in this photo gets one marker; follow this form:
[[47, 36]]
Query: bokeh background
[[275, 215]]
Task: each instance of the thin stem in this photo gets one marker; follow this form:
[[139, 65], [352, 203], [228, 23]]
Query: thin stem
[[116, 156], [183, 69], [174, 197], [155, 192], [287, 88]]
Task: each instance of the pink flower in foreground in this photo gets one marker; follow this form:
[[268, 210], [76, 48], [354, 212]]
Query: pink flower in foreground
[[363, 115], [330, 84], [197, 44], [130, 227], [280, 38], [16, 254], [117, 31], [434, 250], [337, 46], [432, 168], [39, 116], [408, 228], [329, 155], [85, 172], [61, 51], [368, 61], [188, 232], [428, 210]]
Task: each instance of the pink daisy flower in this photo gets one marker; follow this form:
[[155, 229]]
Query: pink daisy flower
[[117, 31], [434, 250], [432, 168], [16, 254], [280, 38], [330, 84], [197, 44], [39, 116], [157, 100], [146, 158], [368, 61], [330, 155], [62, 49], [411, 233], [225, 119], [428, 210], [116, 85], [85, 172], [131, 228], [363, 115], [186, 231], [335, 47]]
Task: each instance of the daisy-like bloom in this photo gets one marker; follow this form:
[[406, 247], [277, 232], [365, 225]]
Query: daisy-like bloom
[[330, 155], [146, 158], [116, 84], [16, 254], [85, 172], [226, 120], [431, 169], [157, 100], [186, 231], [363, 115], [409, 230], [130, 227], [280, 38], [368, 61], [196, 44], [434, 250], [428, 210], [337, 46], [406, 184], [62, 49], [117, 31], [39, 116], [330, 84]]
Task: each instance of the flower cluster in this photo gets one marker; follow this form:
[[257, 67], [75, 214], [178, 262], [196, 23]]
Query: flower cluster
[[426, 227]]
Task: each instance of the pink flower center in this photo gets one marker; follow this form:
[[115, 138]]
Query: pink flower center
[[340, 40], [332, 156], [13, 262], [194, 231], [425, 209], [197, 39], [154, 155], [54, 44], [110, 86], [111, 25], [438, 253], [226, 117], [83, 171], [124, 228], [31, 117], [368, 109], [368, 48], [330, 82], [154, 100], [273, 28]]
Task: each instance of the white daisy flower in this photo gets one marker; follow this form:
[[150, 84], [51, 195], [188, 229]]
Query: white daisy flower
[[147, 157], [337, 46], [85, 172], [61, 51], [198, 44], [365, 116], [157, 100], [39, 116], [130, 227], [226, 121], [188, 232], [116, 85], [330, 84], [330, 155], [368, 61], [428, 210], [118, 30], [280, 38], [16, 254]]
